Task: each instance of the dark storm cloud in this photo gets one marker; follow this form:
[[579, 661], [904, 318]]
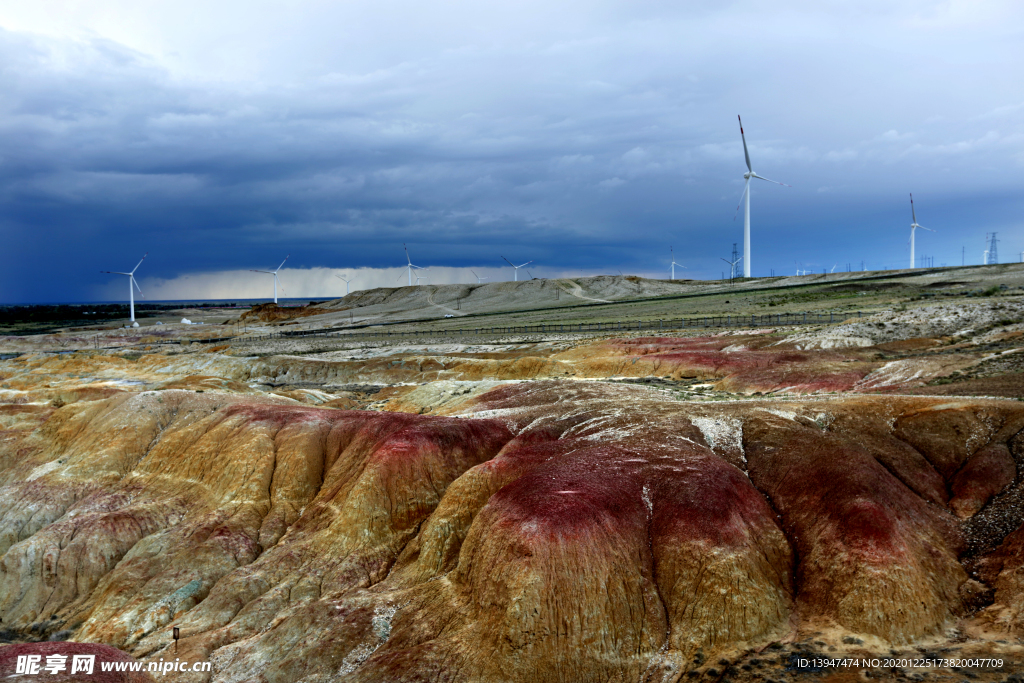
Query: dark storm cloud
[[590, 144]]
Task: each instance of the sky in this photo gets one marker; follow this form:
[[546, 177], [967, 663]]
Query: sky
[[588, 137]]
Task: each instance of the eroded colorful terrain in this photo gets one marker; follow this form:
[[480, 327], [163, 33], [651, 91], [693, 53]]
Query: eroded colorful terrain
[[704, 507]]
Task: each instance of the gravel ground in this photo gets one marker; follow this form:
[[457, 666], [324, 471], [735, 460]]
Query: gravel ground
[[941, 320]]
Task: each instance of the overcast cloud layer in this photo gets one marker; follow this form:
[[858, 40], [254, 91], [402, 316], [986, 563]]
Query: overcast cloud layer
[[586, 136]]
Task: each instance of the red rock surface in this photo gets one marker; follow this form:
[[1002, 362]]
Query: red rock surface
[[987, 473], [740, 362]]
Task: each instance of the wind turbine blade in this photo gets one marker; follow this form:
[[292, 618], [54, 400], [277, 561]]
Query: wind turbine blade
[[746, 187], [268, 272], [282, 262], [729, 262], [525, 264], [924, 228], [530, 274], [140, 261], [114, 272], [743, 137], [137, 285], [509, 262], [474, 272], [407, 253], [913, 215], [771, 181]]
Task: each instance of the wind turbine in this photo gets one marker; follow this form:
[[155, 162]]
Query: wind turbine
[[274, 273], [478, 278], [346, 283], [914, 226], [131, 282], [516, 267], [411, 266], [674, 264], [732, 266], [420, 277], [746, 199]]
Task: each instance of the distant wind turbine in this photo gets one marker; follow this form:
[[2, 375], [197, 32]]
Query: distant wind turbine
[[421, 277], [732, 266], [516, 267], [478, 278], [346, 282], [132, 284], [914, 226], [411, 266], [274, 273], [674, 264], [746, 201]]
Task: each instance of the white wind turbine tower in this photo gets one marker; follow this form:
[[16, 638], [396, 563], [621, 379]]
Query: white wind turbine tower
[[746, 198], [914, 226], [346, 282], [132, 284], [674, 264], [516, 267], [274, 273], [411, 266], [478, 278]]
